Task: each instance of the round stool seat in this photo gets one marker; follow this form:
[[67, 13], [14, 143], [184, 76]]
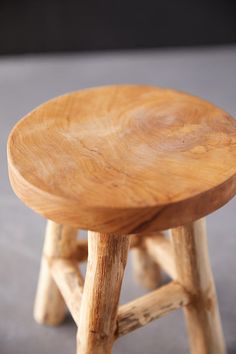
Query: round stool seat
[[124, 159]]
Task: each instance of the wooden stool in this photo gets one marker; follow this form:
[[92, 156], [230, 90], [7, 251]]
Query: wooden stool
[[126, 162]]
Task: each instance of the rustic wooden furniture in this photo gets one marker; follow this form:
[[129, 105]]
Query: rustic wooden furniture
[[126, 162]]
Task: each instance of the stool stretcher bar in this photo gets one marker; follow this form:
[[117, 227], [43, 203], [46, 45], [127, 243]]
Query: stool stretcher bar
[[147, 308], [70, 282]]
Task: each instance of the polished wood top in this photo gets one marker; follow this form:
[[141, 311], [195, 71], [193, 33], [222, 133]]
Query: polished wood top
[[124, 158]]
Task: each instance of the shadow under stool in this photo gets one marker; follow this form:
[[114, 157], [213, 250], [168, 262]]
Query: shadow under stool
[[126, 162]]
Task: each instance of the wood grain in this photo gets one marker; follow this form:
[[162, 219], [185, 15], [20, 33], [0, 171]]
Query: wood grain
[[107, 255], [70, 282], [82, 247], [194, 273], [124, 159], [152, 306], [160, 249], [60, 241]]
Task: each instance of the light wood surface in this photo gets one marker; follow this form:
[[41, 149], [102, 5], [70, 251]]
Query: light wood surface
[[146, 271], [124, 159], [70, 282], [194, 273], [160, 250], [107, 257], [60, 241], [152, 306], [82, 247]]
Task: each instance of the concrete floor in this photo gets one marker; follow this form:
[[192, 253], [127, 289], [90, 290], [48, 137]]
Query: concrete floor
[[27, 81]]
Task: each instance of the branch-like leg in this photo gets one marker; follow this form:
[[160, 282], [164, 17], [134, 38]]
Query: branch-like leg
[[146, 271], [60, 242], [107, 256], [195, 275]]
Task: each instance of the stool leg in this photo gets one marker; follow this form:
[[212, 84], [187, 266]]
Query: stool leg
[[146, 271], [107, 255], [194, 273], [60, 241]]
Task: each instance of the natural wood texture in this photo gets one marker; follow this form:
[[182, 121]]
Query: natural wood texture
[[124, 159], [60, 241], [106, 263], [70, 282], [160, 249], [82, 247], [194, 274], [149, 307], [146, 271]]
